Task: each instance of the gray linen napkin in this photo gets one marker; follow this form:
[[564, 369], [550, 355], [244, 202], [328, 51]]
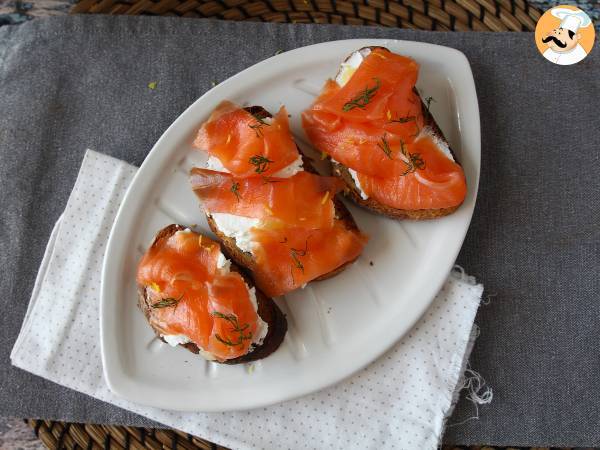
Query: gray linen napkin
[[82, 82]]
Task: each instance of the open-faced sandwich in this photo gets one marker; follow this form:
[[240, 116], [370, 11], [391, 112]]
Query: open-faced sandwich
[[383, 142], [195, 297], [274, 215]]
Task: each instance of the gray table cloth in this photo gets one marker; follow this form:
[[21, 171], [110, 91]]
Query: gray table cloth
[[67, 84]]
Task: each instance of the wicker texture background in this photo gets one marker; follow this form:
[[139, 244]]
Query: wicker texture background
[[459, 15], [58, 435]]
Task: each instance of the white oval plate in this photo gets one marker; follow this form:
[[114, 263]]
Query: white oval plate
[[337, 326]]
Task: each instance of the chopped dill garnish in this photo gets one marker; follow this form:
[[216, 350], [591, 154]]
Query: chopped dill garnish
[[235, 189], [428, 101], [166, 302], [295, 254], [257, 127], [414, 160], [233, 320], [385, 146], [260, 162], [363, 98], [403, 119]]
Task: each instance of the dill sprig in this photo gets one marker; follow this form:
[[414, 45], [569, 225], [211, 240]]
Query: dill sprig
[[235, 189], [428, 101], [295, 254], [385, 146], [403, 119], [260, 162], [414, 160], [257, 127], [363, 98], [236, 328], [166, 302]]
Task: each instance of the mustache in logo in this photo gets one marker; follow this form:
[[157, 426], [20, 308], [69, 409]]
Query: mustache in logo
[[555, 40]]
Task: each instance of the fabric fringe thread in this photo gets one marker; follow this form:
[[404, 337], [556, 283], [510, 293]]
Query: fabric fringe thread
[[459, 273], [478, 391]]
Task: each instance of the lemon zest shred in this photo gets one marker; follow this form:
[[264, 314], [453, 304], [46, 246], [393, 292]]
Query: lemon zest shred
[[325, 197]]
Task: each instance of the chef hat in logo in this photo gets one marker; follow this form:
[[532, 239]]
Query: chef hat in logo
[[571, 19]]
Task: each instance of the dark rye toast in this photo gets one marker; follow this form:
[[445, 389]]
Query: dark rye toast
[[245, 259], [353, 192], [268, 311]]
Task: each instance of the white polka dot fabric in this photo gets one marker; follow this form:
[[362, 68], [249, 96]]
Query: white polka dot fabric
[[399, 402]]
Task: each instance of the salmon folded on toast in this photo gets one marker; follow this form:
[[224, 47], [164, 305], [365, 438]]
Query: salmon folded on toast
[[194, 297], [274, 214], [381, 139]]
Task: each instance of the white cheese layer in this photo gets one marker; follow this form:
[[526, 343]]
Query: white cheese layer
[[346, 71], [215, 164], [354, 175], [175, 339], [223, 263], [236, 227], [349, 66], [292, 169], [262, 328]]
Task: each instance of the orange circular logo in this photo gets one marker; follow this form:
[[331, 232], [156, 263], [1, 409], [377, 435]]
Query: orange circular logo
[[564, 35]]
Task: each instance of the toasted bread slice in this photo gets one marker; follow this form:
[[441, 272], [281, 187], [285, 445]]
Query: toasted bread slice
[[245, 259], [268, 311], [353, 192]]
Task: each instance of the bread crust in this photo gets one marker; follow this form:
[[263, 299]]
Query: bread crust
[[353, 192], [268, 311]]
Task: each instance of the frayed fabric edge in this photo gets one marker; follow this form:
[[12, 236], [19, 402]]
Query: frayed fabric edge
[[469, 379], [459, 273]]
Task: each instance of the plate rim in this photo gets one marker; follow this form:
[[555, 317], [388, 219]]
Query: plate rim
[[124, 386]]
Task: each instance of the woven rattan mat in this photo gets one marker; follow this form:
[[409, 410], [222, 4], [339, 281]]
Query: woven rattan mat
[[57, 435], [459, 15]]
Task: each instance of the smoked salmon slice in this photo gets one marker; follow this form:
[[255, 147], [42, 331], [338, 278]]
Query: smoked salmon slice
[[191, 295], [248, 145], [298, 237], [377, 125], [435, 184], [301, 200], [291, 257], [381, 77]]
